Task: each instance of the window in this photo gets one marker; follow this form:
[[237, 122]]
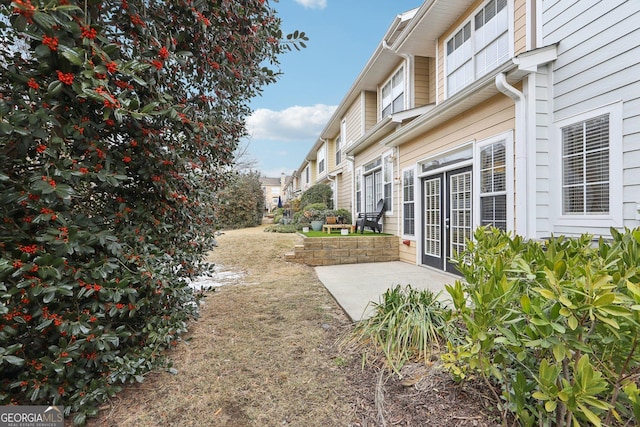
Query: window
[[387, 177], [408, 203], [338, 150], [479, 46], [491, 36], [358, 190], [320, 156], [459, 64], [494, 191], [585, 167], [493, 185], [307, 175], [393, 94], [586, 172], [373, 187]]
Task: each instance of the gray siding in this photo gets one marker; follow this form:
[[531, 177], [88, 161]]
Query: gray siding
[[598, 64]]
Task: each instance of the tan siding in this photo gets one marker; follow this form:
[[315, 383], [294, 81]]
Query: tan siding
[[422, 81], [408, 253], [520, 26], [370, 110], [432, 81], [344, 181], [353, 117], [494, 116]]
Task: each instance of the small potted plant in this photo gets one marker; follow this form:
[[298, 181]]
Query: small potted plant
[[316, 217]]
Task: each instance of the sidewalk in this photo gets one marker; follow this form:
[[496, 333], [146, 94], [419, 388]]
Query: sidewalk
[[354, 285]]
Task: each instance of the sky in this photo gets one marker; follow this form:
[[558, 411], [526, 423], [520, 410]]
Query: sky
[[289, 116]]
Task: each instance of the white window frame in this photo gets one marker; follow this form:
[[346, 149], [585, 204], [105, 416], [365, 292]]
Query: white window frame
[[373, 190], [507, 138], [358, 203], [339, 145], [321, 159], [395, 91], [464, 60], [307, 175], [387, 180], [587, 223], [412, 200]]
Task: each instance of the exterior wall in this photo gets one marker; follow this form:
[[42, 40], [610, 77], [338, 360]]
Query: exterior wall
[[442, 49], [598, 65], [520, 26], [542, 102], [519, 37], [370, 110], [344, 183], [493, 117], [354, 119], [424, 81]]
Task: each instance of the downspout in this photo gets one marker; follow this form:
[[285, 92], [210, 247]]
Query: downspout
[[333, 187], [521, 166]]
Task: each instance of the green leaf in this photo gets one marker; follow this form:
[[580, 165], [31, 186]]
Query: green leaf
[[55, 87], [71, 55], [546, 293], [14, 360], [525, 302], [550, 405], [559, 352], [572, 322], [593, 418], [605, 299], [566, 301], [540, 395]]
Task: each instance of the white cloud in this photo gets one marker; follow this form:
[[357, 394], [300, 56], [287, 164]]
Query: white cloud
[[295, 123], [313, 4]]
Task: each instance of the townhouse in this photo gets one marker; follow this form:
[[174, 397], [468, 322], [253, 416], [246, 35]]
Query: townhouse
[[521, 114]]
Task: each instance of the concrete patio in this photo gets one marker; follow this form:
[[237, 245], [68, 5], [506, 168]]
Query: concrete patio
[[355, 285]]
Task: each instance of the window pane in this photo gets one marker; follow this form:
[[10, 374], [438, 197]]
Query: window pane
[[398, 103], [573, 200], [409, 219], [585, 167], [573, 170], [597, 198]]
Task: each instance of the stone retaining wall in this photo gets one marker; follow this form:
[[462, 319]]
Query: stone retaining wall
[[345, 250]]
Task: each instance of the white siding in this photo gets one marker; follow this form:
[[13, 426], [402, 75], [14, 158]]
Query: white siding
[[542, 122], [598, 64]]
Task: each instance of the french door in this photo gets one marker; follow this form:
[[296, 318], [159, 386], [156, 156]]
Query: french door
[[446, 217]]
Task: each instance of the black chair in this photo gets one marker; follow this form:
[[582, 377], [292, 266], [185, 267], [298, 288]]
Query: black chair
[[371, 219]]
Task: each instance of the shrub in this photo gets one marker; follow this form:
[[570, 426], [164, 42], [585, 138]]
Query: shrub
[[408, 324], [318, 193], [117, 126], [345, 214], [281, 228], [554, 325], [311, 212], [241, 203]]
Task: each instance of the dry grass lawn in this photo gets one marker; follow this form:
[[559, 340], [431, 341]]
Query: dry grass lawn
[[264, 353], [261, 354]]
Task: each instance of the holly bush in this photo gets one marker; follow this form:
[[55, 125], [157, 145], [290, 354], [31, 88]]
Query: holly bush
[[118, 123], [553, 325]]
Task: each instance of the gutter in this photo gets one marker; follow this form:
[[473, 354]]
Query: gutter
[[521, 160]]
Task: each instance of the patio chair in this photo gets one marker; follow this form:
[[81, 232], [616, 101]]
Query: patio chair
[[371, 219]]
